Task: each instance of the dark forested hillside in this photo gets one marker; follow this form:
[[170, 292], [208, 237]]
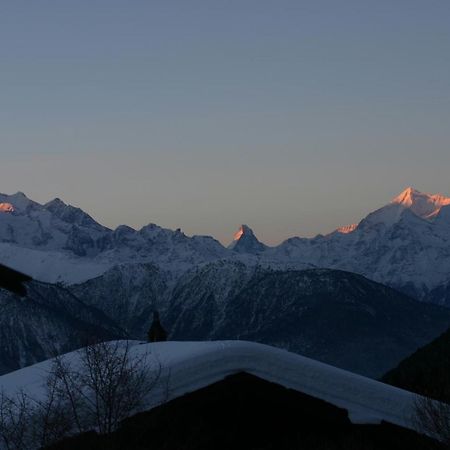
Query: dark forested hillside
[[47, 320], [426, 371], [337, 317]]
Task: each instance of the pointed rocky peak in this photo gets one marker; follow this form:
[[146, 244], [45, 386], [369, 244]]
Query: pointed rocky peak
[[245, 241], [406, 197], [426, 206], [243, 230], [54, 204], [71, 214]]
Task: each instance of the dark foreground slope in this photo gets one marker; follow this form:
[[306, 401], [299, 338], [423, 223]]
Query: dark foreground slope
[[47, 320], [12, 280], [245, 412], [426, 371], [337, 317]]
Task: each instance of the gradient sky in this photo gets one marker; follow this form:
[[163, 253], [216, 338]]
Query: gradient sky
[[292, 116]]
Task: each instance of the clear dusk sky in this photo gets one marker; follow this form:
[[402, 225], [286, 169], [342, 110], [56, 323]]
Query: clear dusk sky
[[294, 117]]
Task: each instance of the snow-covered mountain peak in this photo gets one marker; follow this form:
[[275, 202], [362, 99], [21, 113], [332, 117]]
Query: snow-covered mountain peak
[[426, 206], [405, 197], [72, 215], [19, 201], [245, 241], [55, 203]]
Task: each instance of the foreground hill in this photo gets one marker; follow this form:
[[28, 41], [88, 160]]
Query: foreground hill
[[275, 399], [245, 412], [426, 371], [337, 317], [188, 366]]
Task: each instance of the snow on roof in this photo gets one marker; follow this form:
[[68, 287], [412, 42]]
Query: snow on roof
[[189, 366]]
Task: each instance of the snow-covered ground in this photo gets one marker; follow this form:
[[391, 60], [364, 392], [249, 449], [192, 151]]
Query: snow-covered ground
[[52, 266], [188, 366]]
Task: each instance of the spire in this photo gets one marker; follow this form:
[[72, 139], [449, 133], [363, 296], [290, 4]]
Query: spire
[[156, 332], [245, 241]]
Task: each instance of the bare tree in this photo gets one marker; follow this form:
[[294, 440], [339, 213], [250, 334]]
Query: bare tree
[[112, 385], [95, 391], [14, 421]]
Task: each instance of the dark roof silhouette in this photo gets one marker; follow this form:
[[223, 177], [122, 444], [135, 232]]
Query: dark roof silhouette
[[257, 414], [13, 281]]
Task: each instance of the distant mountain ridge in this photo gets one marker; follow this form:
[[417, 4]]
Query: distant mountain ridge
[[405, 244]]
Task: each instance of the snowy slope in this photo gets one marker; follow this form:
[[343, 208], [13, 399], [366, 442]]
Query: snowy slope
[[52, 266], [193, 365]]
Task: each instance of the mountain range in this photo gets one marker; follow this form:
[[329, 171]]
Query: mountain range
[[405, 245], [345, 298]]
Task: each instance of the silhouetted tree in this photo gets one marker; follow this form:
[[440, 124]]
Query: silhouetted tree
[[94, 391]]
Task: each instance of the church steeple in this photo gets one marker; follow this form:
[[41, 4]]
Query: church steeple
[[156, 332]]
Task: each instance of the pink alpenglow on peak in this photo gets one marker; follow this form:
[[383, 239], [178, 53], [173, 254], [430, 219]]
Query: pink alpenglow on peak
[[242, 230], [348, 228], [245, 241], [6, 208], [426, 206]]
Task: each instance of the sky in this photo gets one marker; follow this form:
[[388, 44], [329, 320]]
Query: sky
[[294, 117]]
